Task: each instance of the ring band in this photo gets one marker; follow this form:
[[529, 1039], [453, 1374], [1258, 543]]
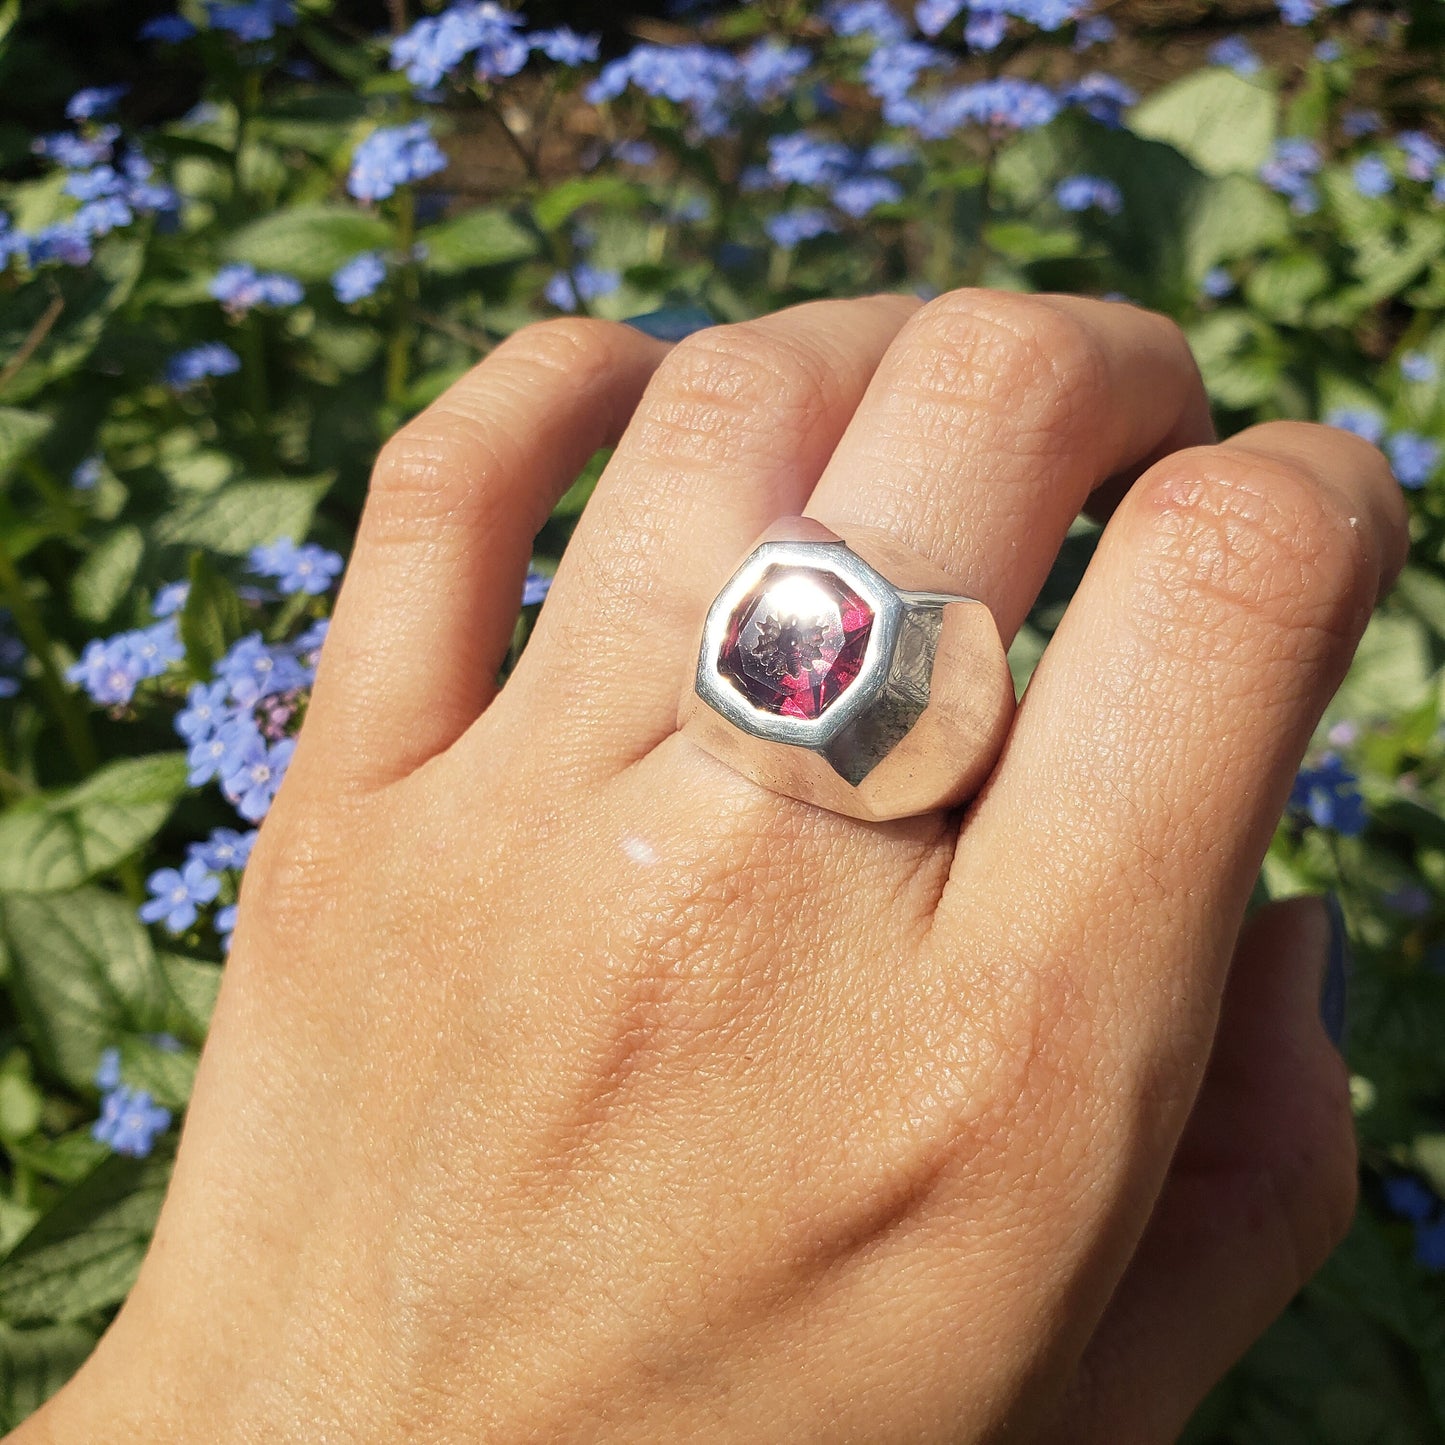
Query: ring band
[[846, 674]]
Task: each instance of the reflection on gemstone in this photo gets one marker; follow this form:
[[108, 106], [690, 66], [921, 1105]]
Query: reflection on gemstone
[[796, 641]]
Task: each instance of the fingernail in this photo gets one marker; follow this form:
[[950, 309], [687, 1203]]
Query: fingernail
[[1334, 994]]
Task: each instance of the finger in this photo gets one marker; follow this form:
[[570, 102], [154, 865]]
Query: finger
[[1153, 754], [1260, 1191], [731, 434], [432, 592], [993, 418]]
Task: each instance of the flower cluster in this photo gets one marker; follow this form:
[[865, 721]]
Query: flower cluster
[[1089, 193], [1413, 457], [241, 288], [1411, 1199], [392, 157], [1328, 796], [130, 1121], [188, 368]]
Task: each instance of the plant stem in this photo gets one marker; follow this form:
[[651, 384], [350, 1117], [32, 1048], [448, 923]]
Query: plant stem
[[258, 392], [73, 723], [398, 348]]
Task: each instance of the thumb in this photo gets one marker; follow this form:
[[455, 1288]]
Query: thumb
[[1261, 1189]]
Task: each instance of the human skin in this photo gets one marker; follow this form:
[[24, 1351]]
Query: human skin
[[566, 1086]]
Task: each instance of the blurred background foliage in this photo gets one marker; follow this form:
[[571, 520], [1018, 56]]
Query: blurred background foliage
[[242, 243]]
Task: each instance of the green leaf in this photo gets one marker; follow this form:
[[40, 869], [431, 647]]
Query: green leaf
[[210, 621], [167, 1075], [487, 236], [9, 14], [103, 580], [82, 1256], [579, 493], [20, 431], [83, 973], [1238, 356], [61, 839], [192, 986], [52, 324], [1220, 120], [555, 207], [35, 1363], [1282, 287], [244, 515], [309, 242], [1233, 217], [65, 1160]]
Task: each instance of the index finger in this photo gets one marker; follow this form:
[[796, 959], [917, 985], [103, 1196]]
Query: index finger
[[1155, 748]]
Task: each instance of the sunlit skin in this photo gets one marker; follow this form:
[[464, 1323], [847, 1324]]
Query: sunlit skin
[[564, 1085]]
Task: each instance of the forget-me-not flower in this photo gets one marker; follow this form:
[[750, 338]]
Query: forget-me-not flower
[[176, 893], [392, 157], [1329, 796], [1413, 458], [240, 288], [130, 1122], [188, 368], [1089, 193]]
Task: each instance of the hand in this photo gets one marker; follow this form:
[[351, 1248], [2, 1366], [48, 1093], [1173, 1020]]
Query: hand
[[566, 1086]]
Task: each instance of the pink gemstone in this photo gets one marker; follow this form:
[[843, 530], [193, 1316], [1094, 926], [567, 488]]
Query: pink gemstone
[[796, 641]]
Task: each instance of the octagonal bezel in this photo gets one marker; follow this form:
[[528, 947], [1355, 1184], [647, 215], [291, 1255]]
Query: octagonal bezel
[[721, 694]]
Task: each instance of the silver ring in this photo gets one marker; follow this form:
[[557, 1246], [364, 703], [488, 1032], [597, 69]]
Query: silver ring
[[845, 673]]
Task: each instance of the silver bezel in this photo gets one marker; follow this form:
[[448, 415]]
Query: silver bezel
[[720, 693]]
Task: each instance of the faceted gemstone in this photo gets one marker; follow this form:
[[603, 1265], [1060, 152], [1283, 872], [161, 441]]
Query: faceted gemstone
[[795, 642]]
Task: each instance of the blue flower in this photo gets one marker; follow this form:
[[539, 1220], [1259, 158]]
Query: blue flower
[[635, 152], [1423, 155], [933, 17], [1002, 105], [12, 658], [859, 196], [156, 647], [94, 100], [175, 894], [1413, 457], [1328, 51], [1416, 366], [1216, 283], [1372, 177], [768, 70], [251, 23], [535, 588], [1234, 53], [893, 70], [1430, 1244], [1094, 30], [437, 45], [804, 223], [985, 29], [1290, 170], [1328, 796], [876, 18], [225, 925], [1409, 1197], [359, 278], [1047, 14], [194, 365], [170, 599], [591, 282], [107, 1070], [168, 29], [86, 476], [1085, 193], [307, 568], [1357, 123], [1298, 12], [73, 152], [565, 45], [391, 157], [208, 708], [107, 672], [807, 160], [1105, 97], [310, 642], [699, 77], [224, 850], [130, 1122], [212, 754], [241, 288], [1355, 419], [253, 670], [251, 782]]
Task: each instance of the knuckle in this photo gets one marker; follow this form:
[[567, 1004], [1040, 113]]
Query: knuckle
[[719, 385], [1036, 367], [1260, 541]]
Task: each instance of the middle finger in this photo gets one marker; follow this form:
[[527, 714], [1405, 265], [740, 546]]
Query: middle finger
[[992, 419]]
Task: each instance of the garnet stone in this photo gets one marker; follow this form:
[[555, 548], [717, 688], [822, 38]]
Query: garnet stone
[[796, 641]]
